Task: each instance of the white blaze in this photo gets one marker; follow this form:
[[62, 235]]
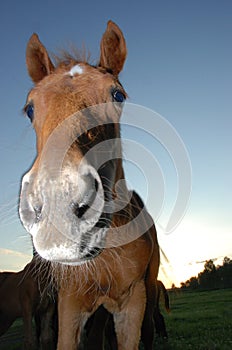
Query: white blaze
[[77, 69]]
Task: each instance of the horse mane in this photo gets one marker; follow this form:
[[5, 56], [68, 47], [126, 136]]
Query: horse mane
[[138, 201], [66, 57]]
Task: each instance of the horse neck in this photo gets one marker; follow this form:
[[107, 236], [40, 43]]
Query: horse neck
[[4, 275], [123, 195], [120, 178]]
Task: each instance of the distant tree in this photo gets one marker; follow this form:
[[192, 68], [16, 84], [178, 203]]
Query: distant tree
[[212, 277], [227, 261], [209, 266], [173, 286], [187, 284], [193, 283], [226, 273], [183, 285], [203, 279]]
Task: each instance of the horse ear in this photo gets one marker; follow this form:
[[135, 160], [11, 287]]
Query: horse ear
[[38, 62], [113, 49]]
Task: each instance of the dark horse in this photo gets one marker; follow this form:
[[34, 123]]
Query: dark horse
[[23, 295], [98, 236]]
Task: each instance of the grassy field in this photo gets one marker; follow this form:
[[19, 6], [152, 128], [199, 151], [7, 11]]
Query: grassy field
[[198, 320]]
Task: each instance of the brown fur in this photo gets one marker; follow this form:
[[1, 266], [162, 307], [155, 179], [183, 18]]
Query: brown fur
[[23, 294], [122, 278], [100, 327]]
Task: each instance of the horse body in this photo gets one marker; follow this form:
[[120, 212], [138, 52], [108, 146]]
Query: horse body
[[20, 296], [101, 253], [120, 290], [99, 330]]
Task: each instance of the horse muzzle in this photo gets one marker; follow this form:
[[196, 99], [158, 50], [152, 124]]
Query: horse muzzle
[[64, 212]]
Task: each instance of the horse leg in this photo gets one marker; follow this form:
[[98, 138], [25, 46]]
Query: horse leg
[[48, 324], [110, 335], [152, 294], [147, 334], [37, 326], [153, 319], [160, 324], [72, 318], [29, 337], [95, 329], [129, 319], [159, 319]]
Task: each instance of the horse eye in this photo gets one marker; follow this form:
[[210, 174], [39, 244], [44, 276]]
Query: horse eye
[[29, 110], [118, 96]]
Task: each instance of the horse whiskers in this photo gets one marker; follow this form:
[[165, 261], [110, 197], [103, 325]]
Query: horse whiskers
[[39, 269], [8, 207], [8, 212], [10, 221], [91, 271]]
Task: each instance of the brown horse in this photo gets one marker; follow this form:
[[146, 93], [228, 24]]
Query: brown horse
[[158, 317], [74, 201], [100, 328], [20, 296]]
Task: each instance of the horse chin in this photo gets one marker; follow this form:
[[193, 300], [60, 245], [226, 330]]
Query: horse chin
[[92, 255], [65, 250]]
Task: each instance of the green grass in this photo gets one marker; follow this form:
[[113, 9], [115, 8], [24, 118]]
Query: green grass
[[198, 321]]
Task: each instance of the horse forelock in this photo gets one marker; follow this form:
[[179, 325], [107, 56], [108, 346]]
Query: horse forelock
[[74, 55]]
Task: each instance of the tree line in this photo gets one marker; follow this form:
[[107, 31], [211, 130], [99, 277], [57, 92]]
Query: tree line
[[212, 277]]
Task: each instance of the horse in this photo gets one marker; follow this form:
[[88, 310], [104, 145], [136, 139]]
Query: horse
[[99, 329], [74, 201], [158, 317], [21, 296]]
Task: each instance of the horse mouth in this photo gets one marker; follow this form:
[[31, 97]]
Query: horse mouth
[[91, 254], [64, 250], [88, 249]]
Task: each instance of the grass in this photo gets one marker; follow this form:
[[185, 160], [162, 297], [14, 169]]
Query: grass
[[198, 321]]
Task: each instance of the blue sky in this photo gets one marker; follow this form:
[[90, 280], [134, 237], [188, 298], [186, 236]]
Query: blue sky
[[179, 64]]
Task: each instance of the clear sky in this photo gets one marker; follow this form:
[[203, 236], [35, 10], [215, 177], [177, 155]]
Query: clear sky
[[179, 65]]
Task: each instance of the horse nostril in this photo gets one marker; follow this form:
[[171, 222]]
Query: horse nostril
[[96, 185], [88, 199], [79, 210], [38, 213]]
